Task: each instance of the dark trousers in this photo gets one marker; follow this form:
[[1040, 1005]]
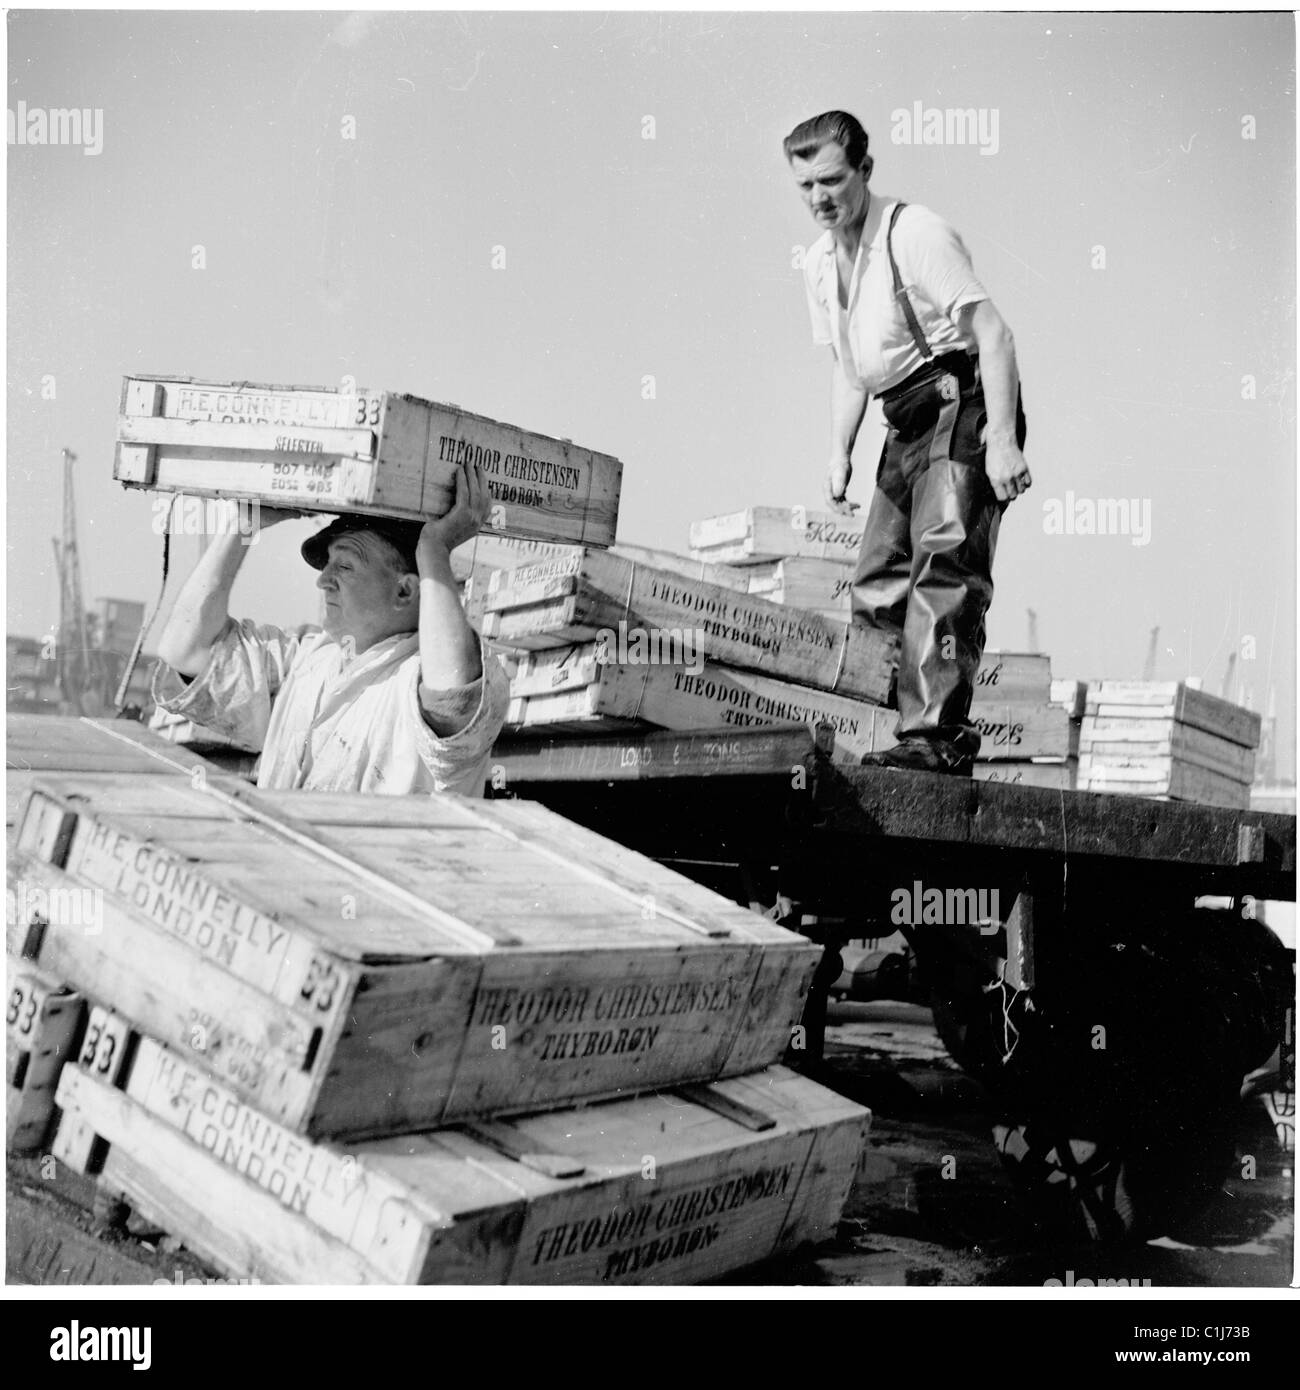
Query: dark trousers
[[925, 568]]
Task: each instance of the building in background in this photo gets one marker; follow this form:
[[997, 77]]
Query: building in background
[[37, 678]]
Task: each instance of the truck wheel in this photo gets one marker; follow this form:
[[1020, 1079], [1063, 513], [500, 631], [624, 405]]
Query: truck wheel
[[1119, 1089]]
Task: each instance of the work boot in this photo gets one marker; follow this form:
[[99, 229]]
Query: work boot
[[923, 755]]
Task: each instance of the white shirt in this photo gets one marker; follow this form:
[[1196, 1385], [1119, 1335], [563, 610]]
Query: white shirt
[[327, 723], [871, 339]]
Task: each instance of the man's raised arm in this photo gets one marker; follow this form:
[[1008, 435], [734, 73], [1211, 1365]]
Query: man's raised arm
[[202, 608], [450, 649]]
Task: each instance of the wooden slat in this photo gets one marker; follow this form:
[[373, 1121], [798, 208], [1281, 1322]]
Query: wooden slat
[[653, 756], [267, 439]]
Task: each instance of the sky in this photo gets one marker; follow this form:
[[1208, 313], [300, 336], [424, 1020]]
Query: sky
[[583, 224]]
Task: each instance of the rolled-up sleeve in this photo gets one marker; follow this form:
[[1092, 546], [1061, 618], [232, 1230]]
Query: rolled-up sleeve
[[234, 692], [458, 762], [932, 257]]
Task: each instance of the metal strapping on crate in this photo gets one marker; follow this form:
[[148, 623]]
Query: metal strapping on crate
[[839, 665]]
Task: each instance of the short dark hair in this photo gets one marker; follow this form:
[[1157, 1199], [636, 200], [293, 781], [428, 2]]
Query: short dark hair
[[831, 127]]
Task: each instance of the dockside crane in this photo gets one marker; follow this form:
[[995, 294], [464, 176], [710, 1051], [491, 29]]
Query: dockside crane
[[78, 665]]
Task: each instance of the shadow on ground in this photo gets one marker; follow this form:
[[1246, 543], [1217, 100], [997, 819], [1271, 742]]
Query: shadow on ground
[[931, 1204]]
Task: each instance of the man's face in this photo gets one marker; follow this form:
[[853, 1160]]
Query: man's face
[[835, 192], [365, 598]]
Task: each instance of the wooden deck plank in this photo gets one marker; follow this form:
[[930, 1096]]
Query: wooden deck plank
[[652, 755], [925, 807]]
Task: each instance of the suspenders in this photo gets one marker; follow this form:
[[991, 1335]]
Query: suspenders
[[900, 291]]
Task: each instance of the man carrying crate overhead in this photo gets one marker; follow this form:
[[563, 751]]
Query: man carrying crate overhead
[[892, 292], [394, 694]]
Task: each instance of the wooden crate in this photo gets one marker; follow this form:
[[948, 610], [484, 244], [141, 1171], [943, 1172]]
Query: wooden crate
[[673, 697], [664, 1189], [760, 534], [42, 1030], [490, 550], [647, 755], [317, 449], [365, 965], [1146, 742], [1174, 700], [42, 743], [1016, 732], [820, 585], [589, 592], [476, 561], [1061, 776], [571, 689], [1071, 696], [1023, 678]]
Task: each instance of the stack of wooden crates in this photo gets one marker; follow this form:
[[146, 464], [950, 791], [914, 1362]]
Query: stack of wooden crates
[[331, 1038], [340, 1039], [1167, 739], [751, 629]]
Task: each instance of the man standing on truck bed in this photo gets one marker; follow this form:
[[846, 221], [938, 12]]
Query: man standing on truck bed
[[892, 292], [394, 694]]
